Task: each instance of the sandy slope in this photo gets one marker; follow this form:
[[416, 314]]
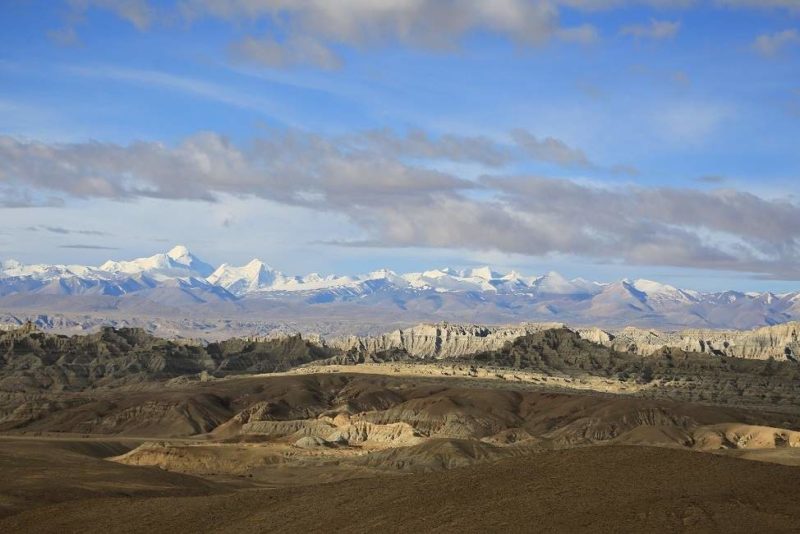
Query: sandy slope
[[38, 472], [361, 452], [594, 489]]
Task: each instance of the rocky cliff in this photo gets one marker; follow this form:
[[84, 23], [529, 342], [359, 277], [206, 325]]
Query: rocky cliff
[[779, 342], [447, 340], [438, 341], [34, 360]]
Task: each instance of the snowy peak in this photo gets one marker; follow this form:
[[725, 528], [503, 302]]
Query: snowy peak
[[446, 280], [484, 273], [14, 268], [178, 273], [388, 276], [254, 276], [181, 256], [178, 262], [10, 265], [656, 291], [554, 283], [180, 252]]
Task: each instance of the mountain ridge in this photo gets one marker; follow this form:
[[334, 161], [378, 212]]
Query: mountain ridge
[[178, 282]]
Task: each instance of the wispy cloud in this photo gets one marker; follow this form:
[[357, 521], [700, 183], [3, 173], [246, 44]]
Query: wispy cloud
[[294, 51], [65, 231], [88, 247], [64, 36], [183, 84], [791, 5], [140, 13], [770, 44], [16, 196], [655, 29], [690, 122], [711, 179], [550, 150]]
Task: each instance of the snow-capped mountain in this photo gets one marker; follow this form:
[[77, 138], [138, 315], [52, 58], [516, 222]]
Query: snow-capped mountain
[[176, 268], [176, 263], [554, 284], [658, 292], [254, 276], [178, 282]]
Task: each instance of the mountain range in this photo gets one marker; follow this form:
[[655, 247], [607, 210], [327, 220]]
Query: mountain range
[[179, 284]]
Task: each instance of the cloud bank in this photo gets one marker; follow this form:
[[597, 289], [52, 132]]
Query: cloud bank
[[387, 183], [285, 33]]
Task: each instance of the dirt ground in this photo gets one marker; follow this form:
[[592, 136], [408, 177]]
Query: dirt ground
[[597, 489]]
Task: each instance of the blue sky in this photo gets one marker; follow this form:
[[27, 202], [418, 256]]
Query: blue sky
[[602, 139]]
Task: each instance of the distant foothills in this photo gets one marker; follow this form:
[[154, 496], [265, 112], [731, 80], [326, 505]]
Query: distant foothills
[[178, 284]]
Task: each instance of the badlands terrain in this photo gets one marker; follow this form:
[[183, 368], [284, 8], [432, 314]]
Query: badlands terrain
[[438, 427]]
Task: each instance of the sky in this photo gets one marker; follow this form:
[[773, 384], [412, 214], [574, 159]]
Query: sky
[[604, 139]]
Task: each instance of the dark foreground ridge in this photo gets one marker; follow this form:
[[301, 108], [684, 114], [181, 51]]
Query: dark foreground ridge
[[30, 359], [684, 375]]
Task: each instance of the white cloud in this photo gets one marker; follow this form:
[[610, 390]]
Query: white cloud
[[294, 51], [612, 4], [761, 4], [309, 32], [312, 29], [395, 203], [550, 150]]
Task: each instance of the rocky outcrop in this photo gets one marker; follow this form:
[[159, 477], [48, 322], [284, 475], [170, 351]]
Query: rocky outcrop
[[445, 340], [200, 459], [365, 433], [739, 436], [779, 342], [34, 360], [296, 429], [341, 429], [439, 341]]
